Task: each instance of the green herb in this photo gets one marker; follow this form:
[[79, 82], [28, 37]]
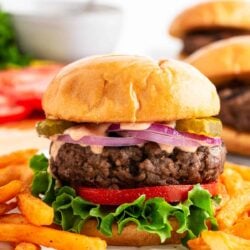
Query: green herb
[[10, 55], [152, 215]]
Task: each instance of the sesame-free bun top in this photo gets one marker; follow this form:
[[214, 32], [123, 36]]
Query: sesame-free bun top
[[223, 60], [115, 88], [213, 14]]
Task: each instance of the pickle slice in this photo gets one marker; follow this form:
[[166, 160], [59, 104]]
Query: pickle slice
[[210, 126], [49, 127]]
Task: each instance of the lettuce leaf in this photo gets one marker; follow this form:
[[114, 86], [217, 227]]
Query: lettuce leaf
[[152, 215]]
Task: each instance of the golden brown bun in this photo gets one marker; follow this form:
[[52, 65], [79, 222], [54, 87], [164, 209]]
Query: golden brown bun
[[236, 142], [129, 89], [218, 14], [130, 235], [223, 60]]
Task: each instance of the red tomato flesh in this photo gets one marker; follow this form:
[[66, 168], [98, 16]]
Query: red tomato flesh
[[171, 193], [11, 111], [27, 85]]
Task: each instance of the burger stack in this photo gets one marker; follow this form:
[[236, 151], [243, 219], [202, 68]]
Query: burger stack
[[211, 21], [216, 40]]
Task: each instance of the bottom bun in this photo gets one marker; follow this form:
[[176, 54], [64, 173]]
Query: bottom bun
[[236, 142], [130, 236]]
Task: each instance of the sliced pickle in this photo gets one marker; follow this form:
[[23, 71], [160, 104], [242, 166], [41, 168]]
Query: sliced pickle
[[51, 127], [204, 126]]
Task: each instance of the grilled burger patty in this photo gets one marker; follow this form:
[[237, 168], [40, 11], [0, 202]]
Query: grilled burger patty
[[194, 40], [134, 166], [235, 105]]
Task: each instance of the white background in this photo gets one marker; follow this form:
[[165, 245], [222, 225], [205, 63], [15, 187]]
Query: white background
[[145, 24]]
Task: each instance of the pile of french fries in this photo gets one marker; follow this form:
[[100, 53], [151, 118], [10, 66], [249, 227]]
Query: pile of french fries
[[233, 215], [31, 225]]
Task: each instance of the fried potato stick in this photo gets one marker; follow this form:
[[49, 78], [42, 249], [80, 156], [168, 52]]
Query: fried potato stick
[[27, 246], [35, 210], [10, 190], [49, 237], [13, 218], [218, 240]]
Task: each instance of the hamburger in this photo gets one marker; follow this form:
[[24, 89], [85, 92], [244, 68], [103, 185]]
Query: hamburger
[[208, 22], [226, 64], [135, 150]]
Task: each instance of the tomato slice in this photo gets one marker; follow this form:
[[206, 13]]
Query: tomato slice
[[171, 193], [27, 85], [10, 111]]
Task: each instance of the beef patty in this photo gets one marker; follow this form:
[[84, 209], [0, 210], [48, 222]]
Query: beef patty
[[194, 40], [134, 166], [235, 105]]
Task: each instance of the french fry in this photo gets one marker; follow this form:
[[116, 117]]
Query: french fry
[[12, 172], [18, 157], [36, 211], [233, 181], [235, 207], [27, 246], [244, 171], [49, 237], [6, 207], [10, 190], [241, 228], [198, 244], [13, 218], [218, 240], [224, 195]]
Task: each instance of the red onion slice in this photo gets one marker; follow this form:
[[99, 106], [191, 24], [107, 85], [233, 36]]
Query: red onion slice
[[161, 139], [103, 140], [165, 130]]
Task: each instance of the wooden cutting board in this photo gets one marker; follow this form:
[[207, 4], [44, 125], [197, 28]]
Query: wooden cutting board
[[20, 135]]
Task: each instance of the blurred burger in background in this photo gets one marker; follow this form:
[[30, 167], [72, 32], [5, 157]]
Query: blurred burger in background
[[226, 64], [135, 150], [208, 22]]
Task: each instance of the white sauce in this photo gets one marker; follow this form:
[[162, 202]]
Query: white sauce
[[96, 149], [168, 148], [77, 132], [56, 145], [134, 126], [170, 124], [188, 149]]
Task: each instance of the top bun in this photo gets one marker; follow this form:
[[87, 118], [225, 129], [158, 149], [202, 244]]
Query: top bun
[[129, 89], [223, 60], [214, 14]]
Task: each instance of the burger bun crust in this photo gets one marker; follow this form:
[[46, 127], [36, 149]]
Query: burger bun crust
[[231, 56], [213, 14], [117, 88]]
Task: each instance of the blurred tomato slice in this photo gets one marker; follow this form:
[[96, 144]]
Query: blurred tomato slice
[[28, 85], [10, 111]]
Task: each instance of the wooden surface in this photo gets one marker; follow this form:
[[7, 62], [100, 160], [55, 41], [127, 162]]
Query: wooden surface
[[20, 135]]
